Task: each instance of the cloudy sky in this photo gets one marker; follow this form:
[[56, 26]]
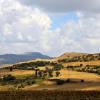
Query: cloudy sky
[[51, 27]]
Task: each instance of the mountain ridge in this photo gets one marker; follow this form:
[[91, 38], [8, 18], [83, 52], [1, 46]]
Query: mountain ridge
[[15, 58]]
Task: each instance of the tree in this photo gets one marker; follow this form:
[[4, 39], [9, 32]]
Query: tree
[[11, 69], [50, 72], [8, 77], [40, 73], [36, 72], [58, 67], [81, 65], [57, 73]]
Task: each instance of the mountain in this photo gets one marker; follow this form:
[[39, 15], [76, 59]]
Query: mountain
[[15, 58]]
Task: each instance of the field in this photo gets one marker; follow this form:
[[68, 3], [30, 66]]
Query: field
[[91, 81], [50, 95]]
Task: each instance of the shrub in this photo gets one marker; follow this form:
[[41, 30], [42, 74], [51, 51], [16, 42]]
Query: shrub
[[82, 81], [60, 82], [98, 72], [57, 73], [58, 66], [68, 80], [33, 81], [8, 77], [30, 82]]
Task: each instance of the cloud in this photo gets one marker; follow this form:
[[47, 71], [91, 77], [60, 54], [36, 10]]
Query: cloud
[[65, 5], [24, 28], [85, 33], [21, 25]]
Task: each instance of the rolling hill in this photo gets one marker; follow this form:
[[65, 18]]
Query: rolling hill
[[78, 57]]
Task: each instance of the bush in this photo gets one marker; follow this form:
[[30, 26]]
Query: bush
[[60, 82], [68, 80], [30, 82], [9, 78], [82, 81], [58, 66], [98, 72]]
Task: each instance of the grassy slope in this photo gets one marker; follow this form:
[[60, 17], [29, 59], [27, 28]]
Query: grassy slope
[[84, 63], [92, 82]]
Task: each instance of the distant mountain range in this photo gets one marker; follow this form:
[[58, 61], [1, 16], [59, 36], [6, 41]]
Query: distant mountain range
[[64, 58], [15, 58]]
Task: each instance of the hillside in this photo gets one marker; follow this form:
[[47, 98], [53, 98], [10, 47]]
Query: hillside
[[15, 58], [75, 61], [78, 57], [72, 54]]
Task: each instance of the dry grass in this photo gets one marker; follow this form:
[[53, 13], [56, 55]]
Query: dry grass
[[84, 63], [78, 75], [21, 72], [16, 72], [92, 81]]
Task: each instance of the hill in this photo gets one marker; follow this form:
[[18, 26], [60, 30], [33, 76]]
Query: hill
[[15, 58], [78, 57], [71, 54]]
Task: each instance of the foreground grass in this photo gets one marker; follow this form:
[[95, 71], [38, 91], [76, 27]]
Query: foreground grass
[[50, 95]]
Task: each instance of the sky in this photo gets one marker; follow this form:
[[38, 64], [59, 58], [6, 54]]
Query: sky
[[51, 27]]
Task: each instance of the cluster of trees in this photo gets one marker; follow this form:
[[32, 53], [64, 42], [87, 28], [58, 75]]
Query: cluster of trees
[[47, 73], [15, 82], [30, 65], [33, 65], [8, 78], [87, 68], [39, 74]]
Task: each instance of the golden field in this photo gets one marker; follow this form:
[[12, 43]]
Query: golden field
[[84, 63], [92, 81]]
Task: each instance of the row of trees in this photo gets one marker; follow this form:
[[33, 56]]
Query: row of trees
[[33, 65], [87, 68], [47, 73]]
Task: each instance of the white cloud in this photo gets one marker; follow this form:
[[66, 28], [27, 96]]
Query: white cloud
[[25, 29], [85, 33], [20, 24]]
